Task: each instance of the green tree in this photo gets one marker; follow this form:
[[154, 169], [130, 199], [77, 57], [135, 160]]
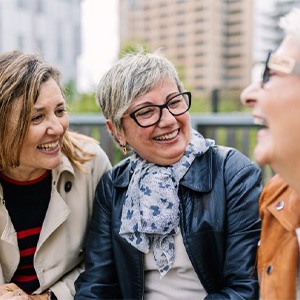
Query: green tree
[[133, 47], [84, 103], [80, 102]]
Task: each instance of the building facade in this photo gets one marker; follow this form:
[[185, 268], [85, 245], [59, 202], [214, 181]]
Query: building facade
[[217, 43], [211, 41], [267, 34], [52, 28]]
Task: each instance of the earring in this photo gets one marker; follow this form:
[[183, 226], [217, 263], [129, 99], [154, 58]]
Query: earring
[[124, 149]]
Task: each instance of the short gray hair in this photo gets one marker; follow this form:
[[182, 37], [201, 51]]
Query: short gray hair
[[130, 78], [290, 23]]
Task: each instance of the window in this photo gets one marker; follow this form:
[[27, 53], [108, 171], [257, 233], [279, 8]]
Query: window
[[21, 4], [40, 6]]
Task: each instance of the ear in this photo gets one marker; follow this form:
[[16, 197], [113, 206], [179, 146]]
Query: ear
[[117, 134]]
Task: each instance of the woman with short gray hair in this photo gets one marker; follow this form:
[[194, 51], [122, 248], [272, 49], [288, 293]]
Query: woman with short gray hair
[[178, 218]]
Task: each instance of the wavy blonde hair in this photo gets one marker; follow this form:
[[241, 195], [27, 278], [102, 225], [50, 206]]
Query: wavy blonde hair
[[21, 77]]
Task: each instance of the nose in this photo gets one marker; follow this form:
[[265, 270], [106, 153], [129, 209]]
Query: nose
[[55, 126], [249, 94], [166, 118]]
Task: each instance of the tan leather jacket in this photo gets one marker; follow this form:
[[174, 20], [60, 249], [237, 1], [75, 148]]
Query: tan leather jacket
[[278, 250], [60, 250]]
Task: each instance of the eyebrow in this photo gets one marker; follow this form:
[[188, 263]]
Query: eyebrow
[[38, 109], [166, 99]]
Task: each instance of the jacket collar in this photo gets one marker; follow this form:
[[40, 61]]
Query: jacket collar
[[199, 175], [65, 165], [282, 202], [197, 178]]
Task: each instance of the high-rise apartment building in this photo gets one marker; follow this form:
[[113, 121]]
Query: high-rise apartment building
[[50, 27], [267, 34], [210, 40]]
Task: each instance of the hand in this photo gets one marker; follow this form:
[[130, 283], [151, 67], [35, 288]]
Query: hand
[[12, 292], [12, 296]]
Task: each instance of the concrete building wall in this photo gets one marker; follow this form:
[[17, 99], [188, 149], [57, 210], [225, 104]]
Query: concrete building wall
[[210, 40], [216, 42], [52, 28]]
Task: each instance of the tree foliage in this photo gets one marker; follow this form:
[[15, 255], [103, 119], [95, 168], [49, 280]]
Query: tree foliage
[[80, 102]]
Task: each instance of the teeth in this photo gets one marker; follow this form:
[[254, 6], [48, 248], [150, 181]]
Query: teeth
[[167, 136], [48, 147], [259, 122]]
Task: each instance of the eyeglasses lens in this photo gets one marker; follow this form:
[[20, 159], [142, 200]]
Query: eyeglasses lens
[[151, 114]]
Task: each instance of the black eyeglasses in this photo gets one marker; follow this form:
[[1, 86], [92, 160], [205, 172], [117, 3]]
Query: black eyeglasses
[[266, 73], [150, 115], [279, 63]]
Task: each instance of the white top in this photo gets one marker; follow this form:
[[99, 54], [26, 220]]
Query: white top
[[181, 282]]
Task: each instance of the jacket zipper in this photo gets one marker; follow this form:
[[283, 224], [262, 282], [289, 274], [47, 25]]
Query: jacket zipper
[[185, 245]]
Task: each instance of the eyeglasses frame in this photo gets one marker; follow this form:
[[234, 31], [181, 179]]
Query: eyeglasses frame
[[161, 107], [279, 63]]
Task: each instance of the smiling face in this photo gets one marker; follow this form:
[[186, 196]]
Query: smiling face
[[277, 106], [163, 143], [41, 149]]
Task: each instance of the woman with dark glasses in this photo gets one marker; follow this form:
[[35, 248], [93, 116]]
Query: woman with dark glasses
[[178, 218], [276, 106]]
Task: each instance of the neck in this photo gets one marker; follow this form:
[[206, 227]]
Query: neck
[[22, 175], [291, 175]]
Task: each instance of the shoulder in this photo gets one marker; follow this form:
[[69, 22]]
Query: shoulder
[[220, 166], [112, 183], [117, 177], [84, 142], [233, 159], [229, 153], [100, 161], [238, 171], [120, 173]]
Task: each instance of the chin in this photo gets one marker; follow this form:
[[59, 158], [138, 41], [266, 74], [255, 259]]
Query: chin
[[167, 161], [53, 165], [261, 155]]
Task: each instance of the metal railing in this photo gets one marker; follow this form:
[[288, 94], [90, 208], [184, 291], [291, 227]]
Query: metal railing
[[230, 129]]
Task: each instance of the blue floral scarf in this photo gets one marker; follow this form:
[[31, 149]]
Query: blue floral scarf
[[150, 215]]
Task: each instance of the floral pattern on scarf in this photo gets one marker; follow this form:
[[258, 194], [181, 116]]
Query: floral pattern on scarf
[[150, 215]]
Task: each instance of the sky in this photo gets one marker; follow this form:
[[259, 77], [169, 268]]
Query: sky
[[99, 41]]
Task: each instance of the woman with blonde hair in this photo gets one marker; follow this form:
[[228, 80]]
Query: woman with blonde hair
[[48, 178]]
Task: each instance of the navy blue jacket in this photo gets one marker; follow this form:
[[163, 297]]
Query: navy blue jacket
[[219, 222]]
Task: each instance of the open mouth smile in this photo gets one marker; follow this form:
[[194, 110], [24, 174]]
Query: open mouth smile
[[48, 147], [260, 122], [167, 137]]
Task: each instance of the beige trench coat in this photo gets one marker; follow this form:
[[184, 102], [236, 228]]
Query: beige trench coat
[[61, 246]]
